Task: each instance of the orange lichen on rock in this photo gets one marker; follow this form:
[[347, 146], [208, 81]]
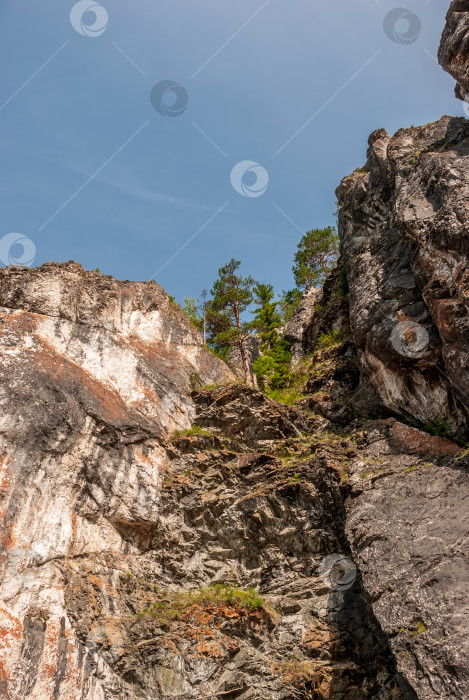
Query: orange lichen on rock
[[414, 441]]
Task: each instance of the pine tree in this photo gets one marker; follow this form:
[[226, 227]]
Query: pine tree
[[266, 317], [272, 367], [231, 297], [315, 257]]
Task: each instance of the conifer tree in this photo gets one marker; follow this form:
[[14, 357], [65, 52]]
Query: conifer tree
[[272, 367], [231, 297], [266, 317], [315, 257]]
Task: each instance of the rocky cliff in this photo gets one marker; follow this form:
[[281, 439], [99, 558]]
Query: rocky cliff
[[170, 533], [95, 374], [454, 48], [164, 540], [403, 226]]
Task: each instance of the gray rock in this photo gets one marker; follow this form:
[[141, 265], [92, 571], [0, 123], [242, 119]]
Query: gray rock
[[407, 525], [296, 328], [453, 54], [403, 230]]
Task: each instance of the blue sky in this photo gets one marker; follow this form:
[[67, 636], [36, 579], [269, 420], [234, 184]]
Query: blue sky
[[92, 172]]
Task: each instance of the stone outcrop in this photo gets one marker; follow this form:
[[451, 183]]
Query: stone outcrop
[[453, 54], [403, 229], [143, 558], [95, 374], [295, 329], [174, 620], [407, 525]]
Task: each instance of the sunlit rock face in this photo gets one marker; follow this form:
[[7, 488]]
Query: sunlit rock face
[[95, 374], [453, 54], [404, 236]]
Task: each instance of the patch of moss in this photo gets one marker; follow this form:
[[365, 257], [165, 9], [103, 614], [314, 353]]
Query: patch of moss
[[413, 468], [330, 339], [172, 606], [438, 428], [191, 432], [419, 628], [286, 396]]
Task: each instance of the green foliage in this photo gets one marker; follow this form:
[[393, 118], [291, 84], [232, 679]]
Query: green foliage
[[231, 296], [272, 368], [266, 317], [288, 396], [174, 605], [221, 352], [173, 302], [329, 339], [191, 308], [315, 257], [194, 430], [288, 303], [438, 428]]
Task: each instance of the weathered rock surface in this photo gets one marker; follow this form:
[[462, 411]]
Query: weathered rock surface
[[94, 375], [252, 519], [404, 238], [295, 329], [453, 54], [115, 534], [407, 523]]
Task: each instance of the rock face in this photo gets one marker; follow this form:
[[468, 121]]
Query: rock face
[[94, 375], [454, 48], [295, 329], [403, 229], [235, 511], [406, 524], [131, 547]]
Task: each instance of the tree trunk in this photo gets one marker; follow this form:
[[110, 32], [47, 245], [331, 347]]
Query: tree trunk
[[242, 349], [245, 360]]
